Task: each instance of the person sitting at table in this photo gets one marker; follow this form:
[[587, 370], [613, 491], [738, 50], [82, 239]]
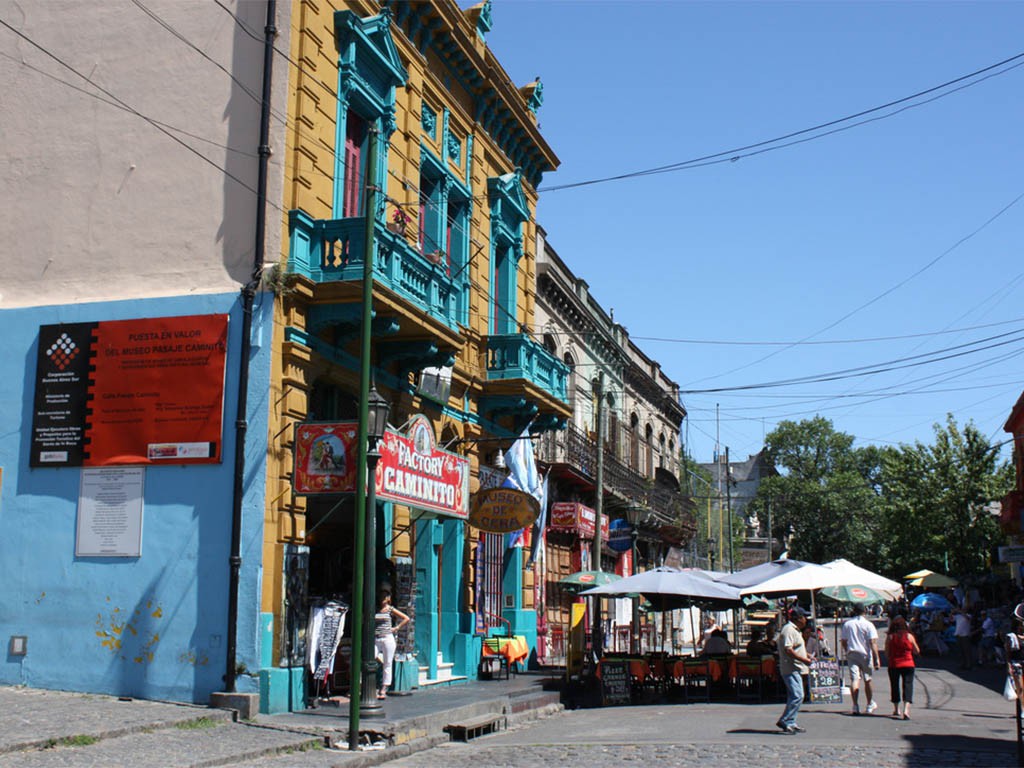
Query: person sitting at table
[[758, 646], [815, 641], [717, 644], [710, 627]]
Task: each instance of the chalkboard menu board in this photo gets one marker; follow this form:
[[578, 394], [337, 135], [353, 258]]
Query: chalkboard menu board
[[615, 682], [826, 681]]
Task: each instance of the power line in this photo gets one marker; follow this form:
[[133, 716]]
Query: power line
[[730, 155]]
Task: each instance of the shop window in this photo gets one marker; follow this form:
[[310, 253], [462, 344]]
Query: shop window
[[490, 552]]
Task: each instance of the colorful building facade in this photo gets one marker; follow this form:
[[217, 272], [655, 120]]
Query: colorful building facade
[[405, 99]]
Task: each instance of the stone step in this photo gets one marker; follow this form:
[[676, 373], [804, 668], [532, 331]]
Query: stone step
[[208, 742]]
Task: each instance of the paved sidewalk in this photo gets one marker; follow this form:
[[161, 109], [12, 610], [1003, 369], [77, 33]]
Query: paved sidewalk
[[45, 729]]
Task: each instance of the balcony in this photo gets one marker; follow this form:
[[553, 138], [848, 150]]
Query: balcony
[[573, 449], [331, 251], [517, 356]]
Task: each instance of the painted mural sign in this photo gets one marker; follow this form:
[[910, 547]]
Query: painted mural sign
[[571, 516], [144, 391], [411, 471], [325, 458], [503, 510]]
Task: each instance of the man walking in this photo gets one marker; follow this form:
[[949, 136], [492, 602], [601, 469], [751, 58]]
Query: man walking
[[860, 644], [962, 632], [794, 662]]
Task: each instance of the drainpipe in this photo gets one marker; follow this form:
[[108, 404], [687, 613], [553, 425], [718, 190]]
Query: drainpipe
[[248, 297]]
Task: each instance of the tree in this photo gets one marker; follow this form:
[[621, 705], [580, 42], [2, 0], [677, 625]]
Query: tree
[[825, 500], [935, 512]]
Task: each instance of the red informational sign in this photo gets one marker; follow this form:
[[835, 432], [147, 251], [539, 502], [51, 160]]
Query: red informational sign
[[571, 516], [145, 391], [411, 469]]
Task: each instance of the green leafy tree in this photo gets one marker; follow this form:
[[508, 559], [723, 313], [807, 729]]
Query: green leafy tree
[[824, 502], [935, 511]]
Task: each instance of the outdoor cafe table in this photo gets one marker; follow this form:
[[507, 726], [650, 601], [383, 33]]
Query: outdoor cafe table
[[723, 667], [514, 648]]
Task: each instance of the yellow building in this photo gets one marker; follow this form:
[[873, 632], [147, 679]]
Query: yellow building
[[405, 104]]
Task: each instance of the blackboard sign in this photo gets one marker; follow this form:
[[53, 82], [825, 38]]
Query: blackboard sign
[[615, 682], [826, 681]]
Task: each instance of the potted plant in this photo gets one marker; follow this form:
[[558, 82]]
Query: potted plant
[[399, 221], [435, 257]]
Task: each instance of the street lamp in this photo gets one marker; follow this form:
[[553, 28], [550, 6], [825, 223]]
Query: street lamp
[[634, 513], [376, 423], [711, 552]]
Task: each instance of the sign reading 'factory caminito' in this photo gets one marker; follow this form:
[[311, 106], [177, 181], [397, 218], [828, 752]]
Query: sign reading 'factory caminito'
[[411, 470]]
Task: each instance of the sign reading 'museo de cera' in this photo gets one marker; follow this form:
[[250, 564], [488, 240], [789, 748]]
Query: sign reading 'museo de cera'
[[503, 510], [411, 470]]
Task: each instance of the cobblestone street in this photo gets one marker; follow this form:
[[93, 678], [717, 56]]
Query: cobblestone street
[[782, 751], [957, 722]]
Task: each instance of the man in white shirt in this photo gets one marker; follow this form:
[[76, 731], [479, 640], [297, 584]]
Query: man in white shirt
[[859, 641], [962, 632]]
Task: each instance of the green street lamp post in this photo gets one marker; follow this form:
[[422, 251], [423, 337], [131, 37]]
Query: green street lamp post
[[377, 422]]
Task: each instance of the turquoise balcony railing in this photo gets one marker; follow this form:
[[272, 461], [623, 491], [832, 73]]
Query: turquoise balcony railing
[[328, 250], [517, 356]]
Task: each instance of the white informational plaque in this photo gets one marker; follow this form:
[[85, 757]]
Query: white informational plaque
[[110, 512]]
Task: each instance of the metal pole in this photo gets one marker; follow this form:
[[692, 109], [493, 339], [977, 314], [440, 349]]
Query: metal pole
[[595, 637], [370, 705], [728, 508], [362, 443], [636, 644]]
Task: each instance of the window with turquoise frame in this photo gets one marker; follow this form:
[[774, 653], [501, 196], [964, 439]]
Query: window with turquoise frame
[[509, 211]]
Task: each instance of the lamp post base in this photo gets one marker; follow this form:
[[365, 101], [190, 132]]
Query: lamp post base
[[369, 704]]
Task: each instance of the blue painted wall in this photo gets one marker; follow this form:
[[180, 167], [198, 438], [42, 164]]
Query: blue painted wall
[[153, 626]]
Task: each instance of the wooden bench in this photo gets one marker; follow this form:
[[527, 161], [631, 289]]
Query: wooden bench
[[475, 726]]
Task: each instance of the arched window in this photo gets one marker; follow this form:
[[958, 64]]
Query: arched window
[[649, 448], [550, 344], [634, 442], [661, 451], [570, 382]]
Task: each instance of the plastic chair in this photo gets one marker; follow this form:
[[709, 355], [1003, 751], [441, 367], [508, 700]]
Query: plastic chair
[[696, 679], [492, 661], [749, 679]]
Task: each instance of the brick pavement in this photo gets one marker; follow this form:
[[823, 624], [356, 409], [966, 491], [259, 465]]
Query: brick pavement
[[959, 719]]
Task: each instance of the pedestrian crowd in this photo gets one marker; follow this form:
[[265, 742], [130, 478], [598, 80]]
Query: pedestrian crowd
[[980, 634]]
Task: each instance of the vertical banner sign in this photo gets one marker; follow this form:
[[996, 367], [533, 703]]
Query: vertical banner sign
[[145, 391]]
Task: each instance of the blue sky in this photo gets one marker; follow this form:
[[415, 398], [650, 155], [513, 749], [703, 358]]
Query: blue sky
[[780, 246]]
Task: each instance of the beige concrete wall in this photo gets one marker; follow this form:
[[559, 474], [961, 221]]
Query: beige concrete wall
[[128, 155]]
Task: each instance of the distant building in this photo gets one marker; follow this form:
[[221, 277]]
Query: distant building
[[746, 477]]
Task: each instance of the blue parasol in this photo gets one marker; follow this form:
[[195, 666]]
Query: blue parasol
[[931, 601]]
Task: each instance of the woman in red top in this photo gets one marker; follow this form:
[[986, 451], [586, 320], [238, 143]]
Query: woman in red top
[[900, 649]]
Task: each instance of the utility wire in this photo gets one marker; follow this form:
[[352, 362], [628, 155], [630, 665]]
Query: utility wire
[[731, 154]]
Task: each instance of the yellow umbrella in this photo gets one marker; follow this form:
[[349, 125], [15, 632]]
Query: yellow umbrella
[[932, 580], [918, 574]]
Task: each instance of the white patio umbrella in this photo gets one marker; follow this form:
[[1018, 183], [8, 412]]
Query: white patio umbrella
[[855, 576], [669, 582], [675, 588], [759, 574]]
